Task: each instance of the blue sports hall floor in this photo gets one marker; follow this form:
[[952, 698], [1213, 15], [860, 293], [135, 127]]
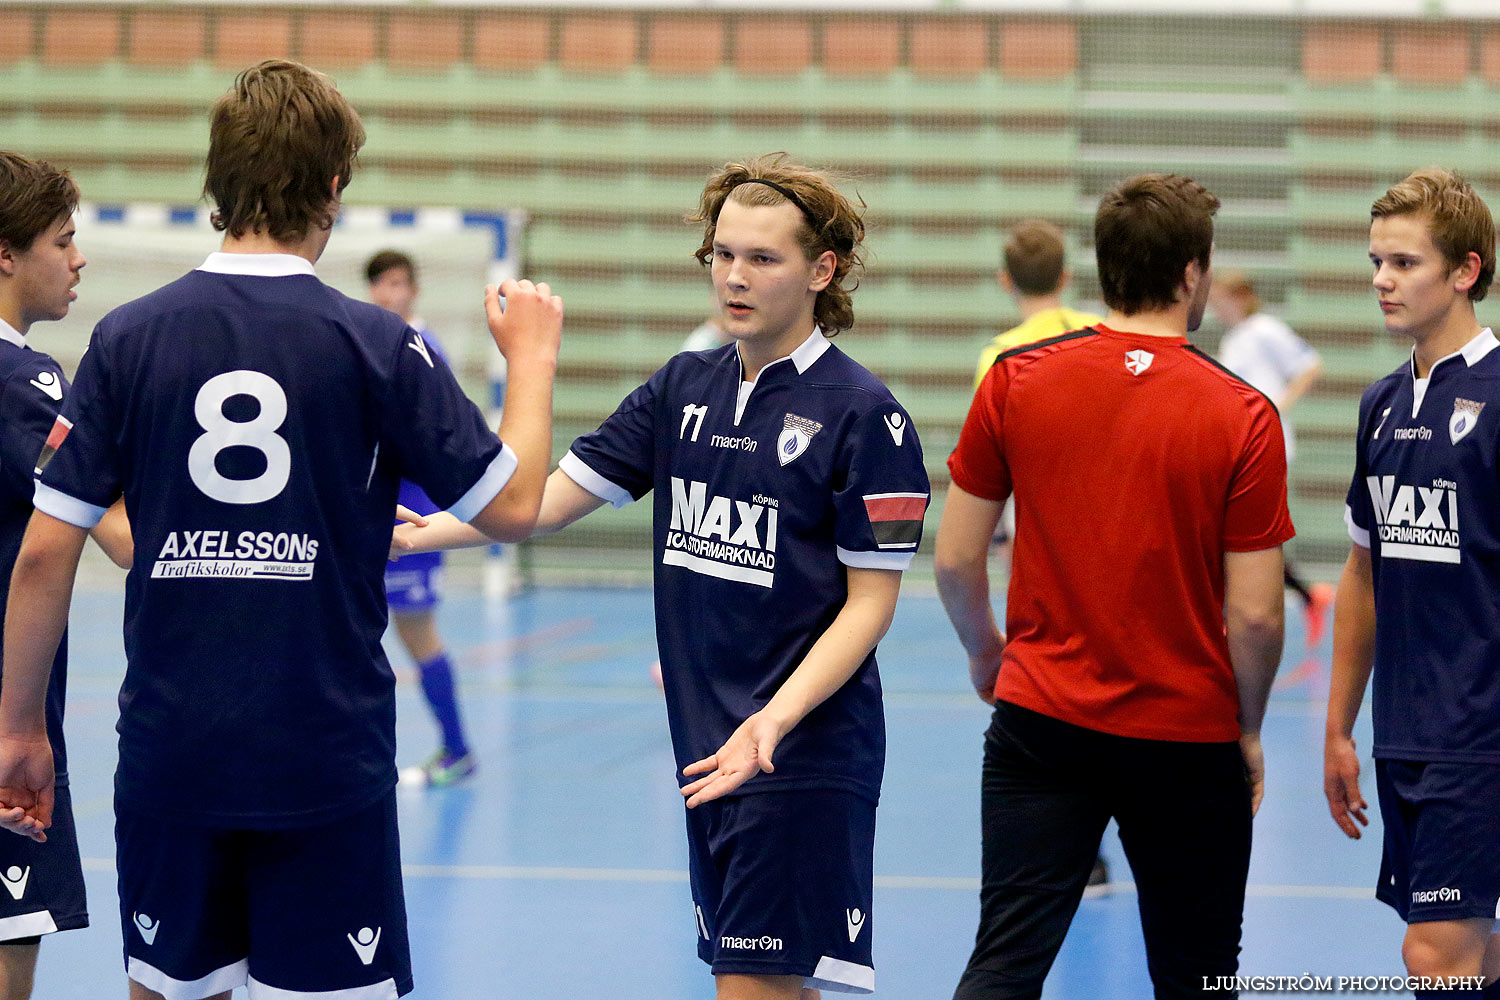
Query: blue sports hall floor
[[559, 870]]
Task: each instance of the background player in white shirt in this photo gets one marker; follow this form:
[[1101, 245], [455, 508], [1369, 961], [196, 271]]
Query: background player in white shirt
[[1264, 351]]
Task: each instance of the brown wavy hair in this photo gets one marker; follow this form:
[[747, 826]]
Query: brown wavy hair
[[277, 140], [33, 196], [1458, 220], [830, 222]]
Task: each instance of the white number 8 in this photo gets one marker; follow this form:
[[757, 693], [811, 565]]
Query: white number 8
[[219, 432]]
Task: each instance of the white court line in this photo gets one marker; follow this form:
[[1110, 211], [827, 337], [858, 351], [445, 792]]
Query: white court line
[[526, 873]]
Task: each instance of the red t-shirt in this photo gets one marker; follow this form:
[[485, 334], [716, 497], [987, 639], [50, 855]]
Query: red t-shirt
[[1136, 462]]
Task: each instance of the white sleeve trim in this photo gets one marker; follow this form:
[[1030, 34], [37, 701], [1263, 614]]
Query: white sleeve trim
[[596, 484], [488, 487], [875, 560], [1358, 535], [66, 508]]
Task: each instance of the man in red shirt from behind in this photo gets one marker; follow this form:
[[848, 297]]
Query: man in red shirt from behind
[[1144, 618]]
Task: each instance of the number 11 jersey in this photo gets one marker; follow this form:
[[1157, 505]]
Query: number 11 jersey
[[257, 423]]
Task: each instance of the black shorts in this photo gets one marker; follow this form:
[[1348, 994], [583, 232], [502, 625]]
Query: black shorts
[[1441, 854], [42, 883], [782, 885], [308, 911]]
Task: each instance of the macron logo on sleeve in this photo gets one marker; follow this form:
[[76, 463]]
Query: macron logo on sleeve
[[420, 346], [50, 384]]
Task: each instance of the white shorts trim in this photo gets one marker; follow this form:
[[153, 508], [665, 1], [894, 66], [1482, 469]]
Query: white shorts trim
[[27, 925], [876, 560], [218, 981], [593, 482], [489, 486], [377, 991], [839, 976], [76, 512]]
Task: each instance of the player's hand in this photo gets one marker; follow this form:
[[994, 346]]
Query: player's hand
[[26, 785], [1255, 768], [529, 325], [983, 670], [1341, 784], [402, 537], [744, 755]]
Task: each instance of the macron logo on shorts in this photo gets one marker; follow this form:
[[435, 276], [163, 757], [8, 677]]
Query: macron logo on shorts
[[15, 880], [147, 927], [856, 921], [365, 942]]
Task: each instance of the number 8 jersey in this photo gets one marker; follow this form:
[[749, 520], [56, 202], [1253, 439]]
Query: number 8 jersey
[[258, 423]]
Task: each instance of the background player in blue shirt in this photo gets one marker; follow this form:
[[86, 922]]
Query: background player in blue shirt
[[257, 424], [413, 586], [788, 497], [1416, 600], [40, 265]]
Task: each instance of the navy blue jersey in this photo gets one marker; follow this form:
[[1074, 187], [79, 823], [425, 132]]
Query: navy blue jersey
[[411, 495], [763, 495], [31, 392], [1425, 500], [257, 423]]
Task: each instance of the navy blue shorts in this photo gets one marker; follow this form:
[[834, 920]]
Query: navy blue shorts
[[288, 913], [782, 885], [43, 883], [1441, 857], [414, 582]]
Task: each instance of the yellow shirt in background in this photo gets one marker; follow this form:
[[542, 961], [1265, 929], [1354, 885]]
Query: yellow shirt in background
[[1045, 324]]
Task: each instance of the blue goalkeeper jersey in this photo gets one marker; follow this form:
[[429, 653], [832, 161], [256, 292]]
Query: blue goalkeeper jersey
[[1425, 500], [764, 493], [257, 423]]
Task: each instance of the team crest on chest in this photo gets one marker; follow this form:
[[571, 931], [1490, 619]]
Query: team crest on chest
[[796, 434], [1465, 417]]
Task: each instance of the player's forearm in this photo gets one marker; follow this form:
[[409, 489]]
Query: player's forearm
[[1353, 643], [1298, 387], [964, 588], [442, 531], [526, 426], [36, 615], [1254, 653], [1254, 623], [842, 647]]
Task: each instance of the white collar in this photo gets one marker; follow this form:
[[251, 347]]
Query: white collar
[[260, 265], [1472, 353], [802, 358], [811, 350], [11, 335]]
